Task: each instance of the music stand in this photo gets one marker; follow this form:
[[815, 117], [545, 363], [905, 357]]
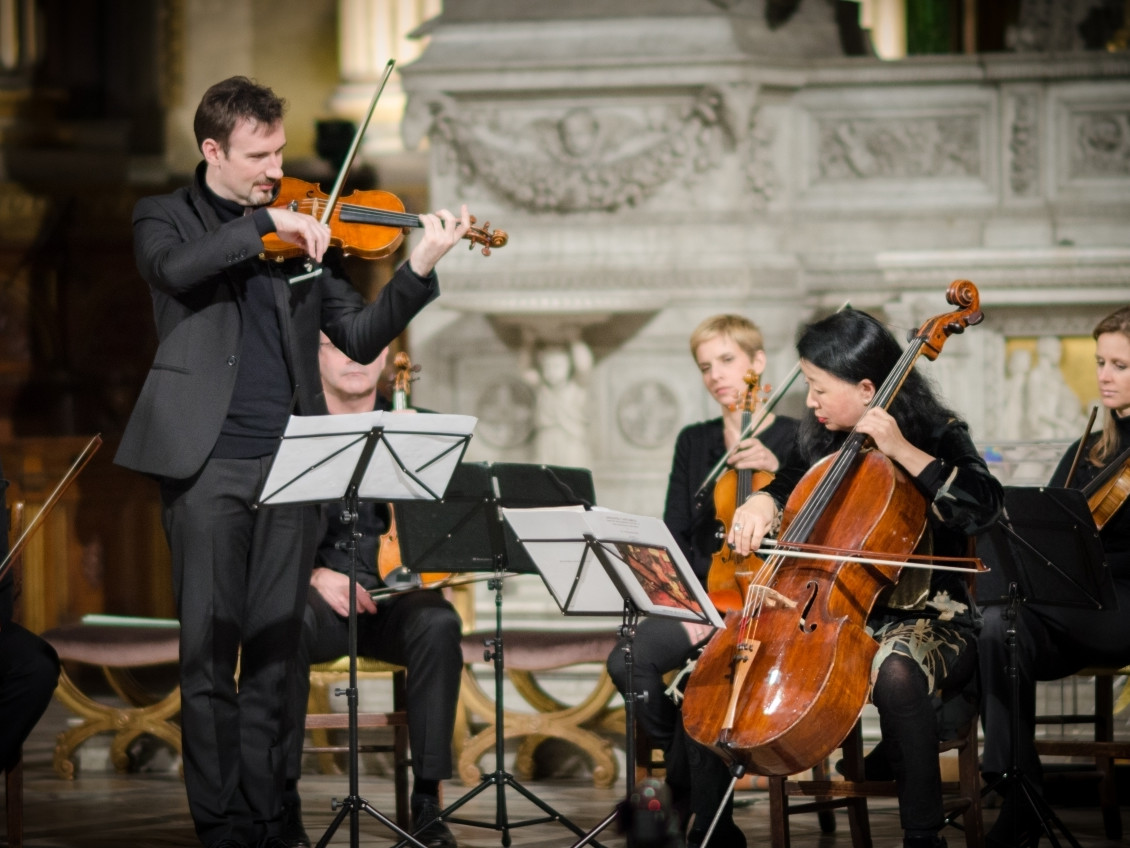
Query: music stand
[[465, 532], [603, 562], [372, 456], [1044, 550]]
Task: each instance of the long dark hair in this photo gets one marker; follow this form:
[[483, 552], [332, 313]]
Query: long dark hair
[[854, 346]]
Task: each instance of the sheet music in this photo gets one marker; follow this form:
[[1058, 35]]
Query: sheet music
[[646, 563], [414, 458]]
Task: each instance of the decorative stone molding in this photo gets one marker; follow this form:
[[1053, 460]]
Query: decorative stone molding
[[1023, 144], [648, 414], [903, 148], [1101, 144], [589, 158]]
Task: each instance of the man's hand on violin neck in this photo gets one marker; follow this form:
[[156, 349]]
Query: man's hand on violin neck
[[304, 230], [442, 231]]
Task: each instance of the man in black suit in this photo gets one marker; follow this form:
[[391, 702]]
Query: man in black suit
[[238, 349]]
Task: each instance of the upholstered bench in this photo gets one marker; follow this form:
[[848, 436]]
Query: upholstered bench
[[118, 651], [525, 653]]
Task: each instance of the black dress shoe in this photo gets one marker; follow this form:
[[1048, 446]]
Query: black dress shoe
[[1017, 826], [726, 835], [292, 834], [427, 827], [932, 841]]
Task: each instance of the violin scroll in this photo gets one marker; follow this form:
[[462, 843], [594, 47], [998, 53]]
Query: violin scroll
[[483, 235]]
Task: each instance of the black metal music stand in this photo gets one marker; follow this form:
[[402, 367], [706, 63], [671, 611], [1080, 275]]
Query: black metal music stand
[[1044, 550], [613, 563], [465, 532], [349, 458]]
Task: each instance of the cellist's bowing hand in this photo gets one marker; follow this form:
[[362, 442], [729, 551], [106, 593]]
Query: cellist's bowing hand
[[753, 521], [752, 454], [442, 231], [888, 438], [304, 230], [335, 588]]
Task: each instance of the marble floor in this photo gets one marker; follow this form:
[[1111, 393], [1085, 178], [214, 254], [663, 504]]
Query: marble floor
[[100, 809]]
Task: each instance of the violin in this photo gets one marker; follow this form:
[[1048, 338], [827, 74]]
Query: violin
[[728, 577], [783, 683], [1107, 493], [368, 224], [389, 563]]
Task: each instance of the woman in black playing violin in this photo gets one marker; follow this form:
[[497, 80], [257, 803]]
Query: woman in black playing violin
[[926, 624], [1055, 641]]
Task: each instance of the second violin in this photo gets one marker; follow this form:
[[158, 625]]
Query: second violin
[[368, 224]]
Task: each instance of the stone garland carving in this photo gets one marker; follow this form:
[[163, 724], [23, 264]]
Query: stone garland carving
[[1102, 145], [903, 148], [587, 159], [1023, 144], [647, 414]]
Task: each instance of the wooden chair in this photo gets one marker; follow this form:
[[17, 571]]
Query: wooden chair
[[852, 792], [1101, 749], [14, 779], [320, 718]]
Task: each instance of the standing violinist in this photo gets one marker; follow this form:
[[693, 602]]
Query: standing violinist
[[419, 630], [926, 626], [1056, 641], [725, 348], [237, 352]]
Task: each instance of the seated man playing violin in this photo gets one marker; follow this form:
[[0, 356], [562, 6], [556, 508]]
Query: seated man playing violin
[[417, 629]]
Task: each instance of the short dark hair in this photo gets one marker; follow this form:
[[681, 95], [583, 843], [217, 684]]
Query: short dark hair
[[228, 102]]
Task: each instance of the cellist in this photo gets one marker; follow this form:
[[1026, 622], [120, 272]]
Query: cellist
[[1055, 641], [927, 624], [725, 348]]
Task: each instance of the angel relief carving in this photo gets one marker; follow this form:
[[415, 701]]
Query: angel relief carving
[[587, 159]]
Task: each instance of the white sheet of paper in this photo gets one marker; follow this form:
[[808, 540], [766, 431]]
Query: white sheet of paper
[[578, 581], [319, 453]]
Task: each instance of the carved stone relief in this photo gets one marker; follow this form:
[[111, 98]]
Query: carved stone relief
[[647, 414], [589, 158], [904, 148], [505, 410], [1023, 145], [1101, 144]]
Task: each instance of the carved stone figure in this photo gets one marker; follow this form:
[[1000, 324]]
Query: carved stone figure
[[559, 375]]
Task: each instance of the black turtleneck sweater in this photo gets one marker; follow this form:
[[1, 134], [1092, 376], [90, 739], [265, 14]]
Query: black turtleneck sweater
[[260, 403]]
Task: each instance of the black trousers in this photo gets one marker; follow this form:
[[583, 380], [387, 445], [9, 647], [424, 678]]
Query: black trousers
[[240, 576], [698, 777], [419, 630], [1052, 643], [29, 670]]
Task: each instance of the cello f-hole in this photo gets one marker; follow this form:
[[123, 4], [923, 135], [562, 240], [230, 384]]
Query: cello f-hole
[[814, 590]]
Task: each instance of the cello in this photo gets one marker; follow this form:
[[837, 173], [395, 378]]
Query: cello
[[727, 579], [783, 683]]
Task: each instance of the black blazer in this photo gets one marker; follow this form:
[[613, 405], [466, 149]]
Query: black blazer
[[195, 266]]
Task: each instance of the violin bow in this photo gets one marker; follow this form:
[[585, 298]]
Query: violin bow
[[1079, 451], [766, 408], [313, 269], [73, 472]]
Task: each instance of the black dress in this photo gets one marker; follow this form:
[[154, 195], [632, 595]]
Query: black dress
[[1054, 642]]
